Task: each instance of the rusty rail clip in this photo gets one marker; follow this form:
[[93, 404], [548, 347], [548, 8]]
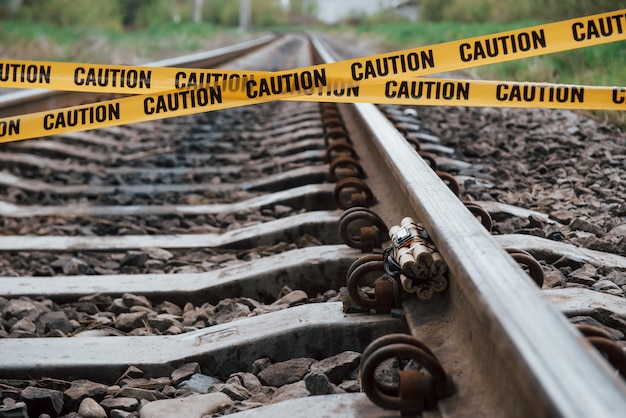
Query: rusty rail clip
[[417, 388]]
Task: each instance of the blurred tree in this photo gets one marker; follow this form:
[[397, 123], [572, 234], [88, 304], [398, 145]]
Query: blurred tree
[[9, 8], [72, 12], [512, 10], [302, 11], [197, 11], [142, 13], [267, 13]]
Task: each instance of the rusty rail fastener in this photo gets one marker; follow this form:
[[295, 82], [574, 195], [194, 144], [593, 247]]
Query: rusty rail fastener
[[352, 192], [362, 228], [418, 389], [525, 259]]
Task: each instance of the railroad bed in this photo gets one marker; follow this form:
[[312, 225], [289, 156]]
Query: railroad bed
[[232, 262]]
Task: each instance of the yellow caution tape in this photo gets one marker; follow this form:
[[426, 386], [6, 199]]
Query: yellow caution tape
[[414, 91], [426, 91], [385, 78], [100, 78], [455, 55]]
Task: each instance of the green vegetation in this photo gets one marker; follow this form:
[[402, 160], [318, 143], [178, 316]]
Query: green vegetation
[[601, 65], [138, 31], [479, 11], [40, 41], [134, 14], [598, 65]]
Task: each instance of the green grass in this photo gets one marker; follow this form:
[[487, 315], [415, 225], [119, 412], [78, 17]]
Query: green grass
[[598, 65], [601, 65], [19, 40]]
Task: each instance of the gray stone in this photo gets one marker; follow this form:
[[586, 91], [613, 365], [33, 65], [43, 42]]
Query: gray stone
[[131, 300], [199, 383], [56, 333], [586, 226], [16, 410], [265, 309], [56, 320], [169, 308], [133, 372], [137, 382], [69, 415], [567, 261], [351, 386], [290, 391], [96, 298], [285, 372], [42, 401], [129, 321], [562, 216], [553, 278], [89, 408], [141, 332], [173, 330], [337, 389], [24, 324], [584, 275], [74, 266], [339, 366], [608, 287], [249, 381], [235, 390], [293, 298], [158, 253], [308, 241], [184, 372], [20, 308], [282, 211], [87, 307], [169, 391], [118, 413], [133, 258], [162, 323], [228, 310], [118, 306], [120, 403], [590, 321], [195, 406], [81, 389], [250, 303], [616, 322], [387, 371], [145, 309], [139, 394], [260, 364], [318, 384], [191, 316]]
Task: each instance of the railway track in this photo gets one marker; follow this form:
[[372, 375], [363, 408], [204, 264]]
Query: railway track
[[216, 248]]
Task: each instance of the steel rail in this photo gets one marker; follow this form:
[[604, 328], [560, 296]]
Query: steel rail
[[531, 361], [29, 101]]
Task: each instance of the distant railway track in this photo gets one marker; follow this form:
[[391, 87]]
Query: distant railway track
[[248, 246]]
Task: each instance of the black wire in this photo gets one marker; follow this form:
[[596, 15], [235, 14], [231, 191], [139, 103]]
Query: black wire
[[393, 268]]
